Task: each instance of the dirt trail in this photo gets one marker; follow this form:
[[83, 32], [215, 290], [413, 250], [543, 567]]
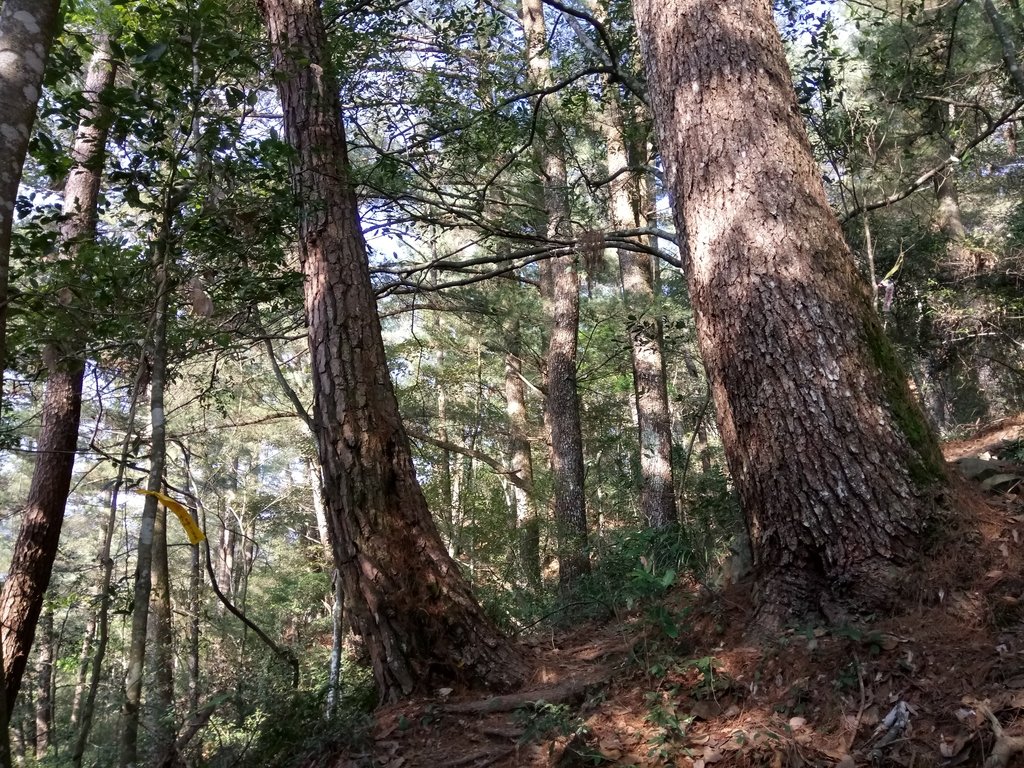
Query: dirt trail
[[941, 684]]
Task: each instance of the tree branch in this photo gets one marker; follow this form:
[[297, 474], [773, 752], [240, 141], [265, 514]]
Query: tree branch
[[497, 466], [924, 178]]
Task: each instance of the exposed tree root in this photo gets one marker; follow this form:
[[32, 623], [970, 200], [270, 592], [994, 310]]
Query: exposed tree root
[[481, 757], [567, 691], [1005, 746]]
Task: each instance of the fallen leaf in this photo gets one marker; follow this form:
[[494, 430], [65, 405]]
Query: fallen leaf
[[712, 756], [796, 723], [889, 642], [609, 751], [707, 709]]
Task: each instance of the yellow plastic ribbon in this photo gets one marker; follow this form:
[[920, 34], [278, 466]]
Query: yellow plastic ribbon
[[193, 531]]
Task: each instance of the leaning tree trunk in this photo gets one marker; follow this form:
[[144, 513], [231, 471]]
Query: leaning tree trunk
[[27, 29], [560, 294], [836, 467], [416, 613], [36, 548]]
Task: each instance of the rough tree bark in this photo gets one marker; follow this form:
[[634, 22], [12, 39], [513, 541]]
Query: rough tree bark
[[32, 561], [560, 294], [27, 29], [416, 613], [836, 467]]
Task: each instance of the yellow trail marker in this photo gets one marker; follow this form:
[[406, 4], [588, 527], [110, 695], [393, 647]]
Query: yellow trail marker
[[194, 533]]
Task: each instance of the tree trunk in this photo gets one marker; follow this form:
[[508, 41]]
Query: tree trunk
[[195, 584], [104, 587], [521, 462], [323, 525], [27, 29], [560, 292], [226, 553], [1006, 45], [44, 680], [947, 216], [129, 736], [82, 677], [416, 613], [36, 548], [636, 273], [160, 656], [836, 467]]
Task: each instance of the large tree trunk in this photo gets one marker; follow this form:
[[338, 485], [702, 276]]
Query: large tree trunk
[[27, 29], [836, 467], [560, 294], [36, 548], [416, 613]]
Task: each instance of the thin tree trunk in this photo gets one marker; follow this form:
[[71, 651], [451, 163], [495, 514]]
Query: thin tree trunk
[[416, 613], [836, 467], [560, 292], [160, 695], [521, 462], [27, 29], [195, 583], [44, 679], [447, 510], [82, 678], [1006, 44], [18, 739], [226, 557], [32, 561], [104, 586], [323, 525], [129, 734], [636, 273], [947, 198]]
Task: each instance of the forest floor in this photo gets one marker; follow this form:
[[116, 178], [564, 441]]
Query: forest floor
[[682, 685]]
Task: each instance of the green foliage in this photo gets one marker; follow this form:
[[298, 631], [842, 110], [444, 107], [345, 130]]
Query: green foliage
[[282, 728], [710, 520], [542, 720], [663, 713]]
